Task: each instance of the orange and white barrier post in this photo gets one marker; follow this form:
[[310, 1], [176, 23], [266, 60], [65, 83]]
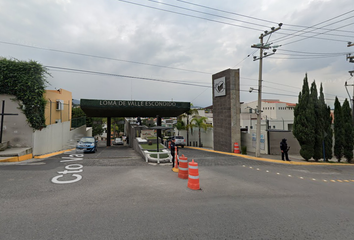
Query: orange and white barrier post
[[236, 148], [175, 168], [183, 167], [193, 175]]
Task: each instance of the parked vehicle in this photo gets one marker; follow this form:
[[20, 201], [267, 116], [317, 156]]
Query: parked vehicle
[[118, 141], [180, 141], [87, 144]]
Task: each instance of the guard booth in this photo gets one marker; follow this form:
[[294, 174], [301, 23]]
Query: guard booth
[[123, 108]]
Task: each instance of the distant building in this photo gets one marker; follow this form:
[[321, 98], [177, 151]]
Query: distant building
[[275, 115]]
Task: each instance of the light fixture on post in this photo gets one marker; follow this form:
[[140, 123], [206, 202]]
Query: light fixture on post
[[251, 89]]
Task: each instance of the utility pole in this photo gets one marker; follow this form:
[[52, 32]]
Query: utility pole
[[261, 46], [351, 59]]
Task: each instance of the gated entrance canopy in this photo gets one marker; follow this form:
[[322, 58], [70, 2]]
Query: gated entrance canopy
[[123, 108]]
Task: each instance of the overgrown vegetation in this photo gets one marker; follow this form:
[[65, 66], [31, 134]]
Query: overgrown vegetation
[[95, 123], [26, 81]]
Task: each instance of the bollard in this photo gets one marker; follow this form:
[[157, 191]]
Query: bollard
[[183, 167], [193, 176]]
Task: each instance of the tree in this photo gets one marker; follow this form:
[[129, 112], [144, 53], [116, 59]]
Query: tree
[[95, 123], [348, 131], [180, 125], [318, 127], [187, 115], [326, 121], [200, 123], [328, 137], [338, 131], [97, 127], [304, 122]]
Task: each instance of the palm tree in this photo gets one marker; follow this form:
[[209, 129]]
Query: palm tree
[[180, 126], [187, 115], [200, 123]]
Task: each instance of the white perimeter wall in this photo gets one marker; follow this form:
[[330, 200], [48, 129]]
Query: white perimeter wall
[[15, 127], [56, 137], [206, 136], [249, 140]]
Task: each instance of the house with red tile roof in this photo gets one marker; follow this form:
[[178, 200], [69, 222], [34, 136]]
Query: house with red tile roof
[[275, 114]]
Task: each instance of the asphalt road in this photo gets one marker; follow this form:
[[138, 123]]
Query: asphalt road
[[114, 194]]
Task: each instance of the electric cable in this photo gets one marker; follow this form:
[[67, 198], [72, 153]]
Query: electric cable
[[184, 14], [124, 76], [254, 18], [100, 57]]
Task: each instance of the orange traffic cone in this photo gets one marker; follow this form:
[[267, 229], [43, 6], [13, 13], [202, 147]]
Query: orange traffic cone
[[236, 148], [193, 176], [183, 167]]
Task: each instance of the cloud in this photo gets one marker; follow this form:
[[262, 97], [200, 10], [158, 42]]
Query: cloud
[[114, 36]]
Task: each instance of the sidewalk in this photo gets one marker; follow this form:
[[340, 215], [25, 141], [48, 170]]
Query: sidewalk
[[294, 159], [23, 154]]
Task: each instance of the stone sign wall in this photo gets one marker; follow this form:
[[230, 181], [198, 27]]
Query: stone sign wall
[[226, 109]]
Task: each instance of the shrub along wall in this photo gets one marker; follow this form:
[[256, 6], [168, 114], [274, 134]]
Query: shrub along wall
[[26, 81]]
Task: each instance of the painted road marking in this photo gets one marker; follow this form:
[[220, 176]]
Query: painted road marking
[[313, 179], [72, 170]]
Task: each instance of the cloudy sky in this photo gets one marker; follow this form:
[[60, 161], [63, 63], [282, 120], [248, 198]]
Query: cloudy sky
[[168, 49]]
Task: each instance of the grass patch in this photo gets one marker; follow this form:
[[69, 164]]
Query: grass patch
[[161, 155], [151, 147], [151, 137]]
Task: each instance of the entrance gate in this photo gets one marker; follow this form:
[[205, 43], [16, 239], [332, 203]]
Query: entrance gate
[[122, 108]]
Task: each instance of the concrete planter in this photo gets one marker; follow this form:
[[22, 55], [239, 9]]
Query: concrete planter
[[4, 145]]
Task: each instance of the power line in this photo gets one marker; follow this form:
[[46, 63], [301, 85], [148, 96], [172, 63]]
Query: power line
[[259, 19], [285, 38], [80, 71], [124, 76], [184, 14], [226, 18], [215, 15], [100, 57], [312, 53], [316, 35]]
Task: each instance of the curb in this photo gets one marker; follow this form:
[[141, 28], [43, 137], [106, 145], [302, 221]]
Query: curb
[[30, 156], [271, 160]]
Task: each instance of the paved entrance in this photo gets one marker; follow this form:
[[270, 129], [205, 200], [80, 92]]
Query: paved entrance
[[116, 155]]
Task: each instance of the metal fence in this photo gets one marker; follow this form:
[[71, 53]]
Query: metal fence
[[78, 122]]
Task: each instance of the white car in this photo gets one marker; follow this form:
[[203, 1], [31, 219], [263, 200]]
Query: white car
[[180, 141], [118, 141]]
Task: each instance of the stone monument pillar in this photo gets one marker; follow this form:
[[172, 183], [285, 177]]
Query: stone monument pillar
[[226, 110]]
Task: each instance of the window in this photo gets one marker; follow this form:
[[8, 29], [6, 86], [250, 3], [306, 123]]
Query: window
[[60, 105]]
